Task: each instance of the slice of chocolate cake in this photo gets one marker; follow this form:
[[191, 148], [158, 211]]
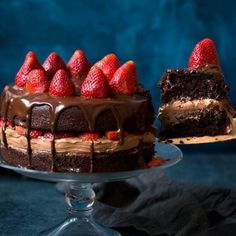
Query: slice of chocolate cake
[[194, 100]]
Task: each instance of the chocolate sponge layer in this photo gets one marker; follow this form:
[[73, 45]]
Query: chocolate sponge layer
[[73, 120], [101, 162], [180, 83], [212, 121]]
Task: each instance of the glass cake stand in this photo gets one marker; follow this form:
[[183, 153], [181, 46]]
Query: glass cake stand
[[80, 195]]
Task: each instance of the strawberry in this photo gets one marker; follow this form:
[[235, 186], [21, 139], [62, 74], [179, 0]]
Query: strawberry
[[89, 136], [157, 161], [95, 84], [108, 64], [125, 79], [31, 62], [2, 122], [21, 130], [114, 135], [78, 67], [61, 85], [63, 135], [36, 81], [204, 53], [50, 135], [52, 64], [35, 133]]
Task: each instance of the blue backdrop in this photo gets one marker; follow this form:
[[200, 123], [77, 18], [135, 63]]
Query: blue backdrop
[[156, 34]]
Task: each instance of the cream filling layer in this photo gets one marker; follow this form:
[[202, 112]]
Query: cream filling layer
[[75, 144], [175, 112]]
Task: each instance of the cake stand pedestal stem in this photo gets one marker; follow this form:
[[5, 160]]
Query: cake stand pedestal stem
[[80, 199]]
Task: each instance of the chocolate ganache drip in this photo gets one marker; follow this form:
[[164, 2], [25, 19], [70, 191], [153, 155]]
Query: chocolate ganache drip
[[18, 104]]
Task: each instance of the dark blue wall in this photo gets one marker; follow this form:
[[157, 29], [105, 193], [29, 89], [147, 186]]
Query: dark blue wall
[[156, 34]]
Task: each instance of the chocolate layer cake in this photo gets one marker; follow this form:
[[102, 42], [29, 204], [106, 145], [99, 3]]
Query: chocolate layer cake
[[76, 133], [194, 101]]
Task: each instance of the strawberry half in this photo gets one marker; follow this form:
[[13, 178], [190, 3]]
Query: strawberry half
[[52, 64], [89, 136], [108, 64], [50, 135], [31, 62], [124, 80], [2, 122], [37, 81], [157, 161], [63, 135], [95, 84], [61, 85], [35, 133], [114, 135], [78, 67], [204, 53], [20, 130]]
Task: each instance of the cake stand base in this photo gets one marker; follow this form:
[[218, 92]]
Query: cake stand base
[[79, 198], [77, 226]]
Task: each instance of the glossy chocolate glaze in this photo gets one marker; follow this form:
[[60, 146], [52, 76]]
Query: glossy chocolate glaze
[[16, 102]]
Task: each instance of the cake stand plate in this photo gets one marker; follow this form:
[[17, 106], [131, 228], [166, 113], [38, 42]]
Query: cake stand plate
[[80, 195], [203, 139]]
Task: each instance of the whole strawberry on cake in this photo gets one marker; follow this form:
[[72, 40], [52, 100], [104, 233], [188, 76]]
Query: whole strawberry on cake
[[77, 117], [194, 100]]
